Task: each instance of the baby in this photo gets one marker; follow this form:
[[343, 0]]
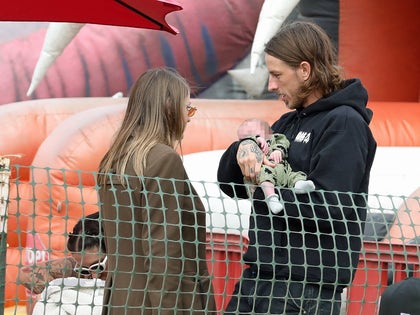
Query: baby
[[275, 147]]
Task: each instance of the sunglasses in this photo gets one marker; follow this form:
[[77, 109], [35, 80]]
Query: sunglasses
[[191, 110], [98, 267]]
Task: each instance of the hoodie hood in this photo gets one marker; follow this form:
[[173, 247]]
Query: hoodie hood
[[353, 94]]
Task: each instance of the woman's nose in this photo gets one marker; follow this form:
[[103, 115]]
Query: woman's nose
[[94, 275]]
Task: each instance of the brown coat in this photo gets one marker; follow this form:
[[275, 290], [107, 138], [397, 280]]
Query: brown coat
[[155, 240]]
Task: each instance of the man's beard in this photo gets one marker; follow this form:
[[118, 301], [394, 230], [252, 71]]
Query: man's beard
[[299, 99]]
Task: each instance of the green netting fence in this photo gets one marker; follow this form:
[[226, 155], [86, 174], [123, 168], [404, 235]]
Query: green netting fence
[[38, 216]]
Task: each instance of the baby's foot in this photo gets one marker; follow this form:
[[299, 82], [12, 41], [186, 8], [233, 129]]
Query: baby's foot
[[274, 204], [304, 186]]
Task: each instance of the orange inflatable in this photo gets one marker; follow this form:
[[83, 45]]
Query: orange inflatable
[[407, 223], [43, 119], [376, 44]]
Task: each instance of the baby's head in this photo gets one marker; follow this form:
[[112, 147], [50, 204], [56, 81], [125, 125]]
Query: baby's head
[[254, 126]]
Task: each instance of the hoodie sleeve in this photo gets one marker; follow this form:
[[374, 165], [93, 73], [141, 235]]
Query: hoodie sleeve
[[229, 173], [339, 163]]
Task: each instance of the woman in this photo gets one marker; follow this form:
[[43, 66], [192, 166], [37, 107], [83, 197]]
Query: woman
[[78, 277], [87, 248], [153, 219]]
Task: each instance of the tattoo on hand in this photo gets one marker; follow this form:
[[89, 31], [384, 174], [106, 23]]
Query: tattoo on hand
[[258, 153], [250, 145]]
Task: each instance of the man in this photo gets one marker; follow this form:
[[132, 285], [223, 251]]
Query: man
[[300, 260], [401, 298]]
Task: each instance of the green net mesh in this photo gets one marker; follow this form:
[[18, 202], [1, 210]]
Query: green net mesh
[[50, 264]]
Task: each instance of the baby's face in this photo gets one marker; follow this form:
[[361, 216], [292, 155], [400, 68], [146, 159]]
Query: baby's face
[[252, 128]]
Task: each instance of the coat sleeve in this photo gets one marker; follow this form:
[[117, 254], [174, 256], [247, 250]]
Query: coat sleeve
[[163, 239]]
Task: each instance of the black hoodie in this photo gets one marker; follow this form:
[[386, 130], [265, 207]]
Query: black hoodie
[[317, 238]]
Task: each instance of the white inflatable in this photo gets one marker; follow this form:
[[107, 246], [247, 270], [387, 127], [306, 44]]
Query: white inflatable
[[273, 14], [223, 212], [58, 36]]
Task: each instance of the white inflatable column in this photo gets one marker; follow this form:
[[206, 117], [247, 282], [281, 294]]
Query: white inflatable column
[[58, 36]]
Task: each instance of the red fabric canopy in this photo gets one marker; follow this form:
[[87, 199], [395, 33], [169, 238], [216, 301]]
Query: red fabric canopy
[[134, 13]]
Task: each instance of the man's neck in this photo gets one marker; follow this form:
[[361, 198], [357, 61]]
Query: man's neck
[[312, 99]]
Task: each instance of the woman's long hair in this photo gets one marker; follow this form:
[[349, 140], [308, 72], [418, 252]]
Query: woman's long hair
[[305, 41], [155, 114]]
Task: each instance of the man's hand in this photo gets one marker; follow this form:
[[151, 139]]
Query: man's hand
[[250, 158]]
